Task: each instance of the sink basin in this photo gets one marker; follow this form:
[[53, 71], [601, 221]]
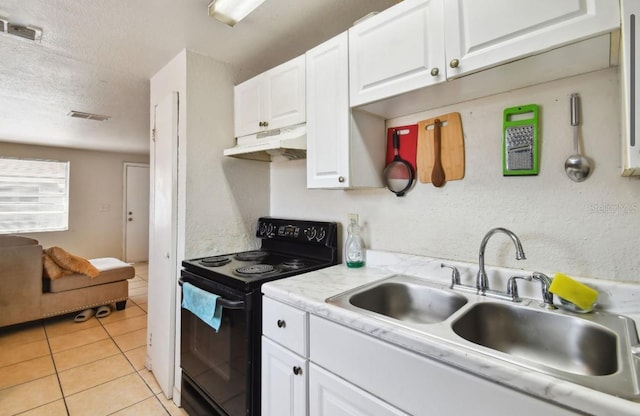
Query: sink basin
[[403, 298], [599, 350], [563, 342]]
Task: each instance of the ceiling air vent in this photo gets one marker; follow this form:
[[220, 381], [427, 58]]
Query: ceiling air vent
[[27, 32], [88, 116]]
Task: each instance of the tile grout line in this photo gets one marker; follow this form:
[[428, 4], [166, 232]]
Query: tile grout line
[[55, 368], [135, 370]]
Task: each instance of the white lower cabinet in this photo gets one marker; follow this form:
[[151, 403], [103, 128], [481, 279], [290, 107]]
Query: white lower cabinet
[[284, 381], [330, 395], [338, 371]]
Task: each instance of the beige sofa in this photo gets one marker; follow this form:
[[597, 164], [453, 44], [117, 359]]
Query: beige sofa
[[25, 295]]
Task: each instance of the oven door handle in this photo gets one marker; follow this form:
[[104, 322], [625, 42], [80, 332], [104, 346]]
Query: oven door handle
[[225, 303]]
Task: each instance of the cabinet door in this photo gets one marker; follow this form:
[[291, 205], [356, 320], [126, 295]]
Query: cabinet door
[[328, 114], [247, 104], [332, 396], [396, 51], [284, 381], [283, 99], [484, 33]]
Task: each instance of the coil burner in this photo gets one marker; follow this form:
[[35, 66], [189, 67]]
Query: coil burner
[[215, 261], [293, 264], [255, 255], [255, 270]]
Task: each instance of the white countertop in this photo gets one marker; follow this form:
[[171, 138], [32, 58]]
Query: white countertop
[[309, 291]]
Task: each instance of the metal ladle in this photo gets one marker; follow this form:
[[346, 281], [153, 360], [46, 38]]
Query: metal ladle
[[577, 166]]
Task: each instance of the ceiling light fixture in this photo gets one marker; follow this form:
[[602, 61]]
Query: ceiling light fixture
[[231, 12], [88, 116]]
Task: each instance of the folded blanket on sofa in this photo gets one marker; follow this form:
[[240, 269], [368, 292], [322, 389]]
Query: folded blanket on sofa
[[67, 262]]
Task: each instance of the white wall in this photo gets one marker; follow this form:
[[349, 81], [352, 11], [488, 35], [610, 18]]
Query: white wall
[[95, 198], [584, 229], [219, 199], [225, 196]]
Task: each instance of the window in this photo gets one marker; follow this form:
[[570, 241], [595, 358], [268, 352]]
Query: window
[[34, 195]]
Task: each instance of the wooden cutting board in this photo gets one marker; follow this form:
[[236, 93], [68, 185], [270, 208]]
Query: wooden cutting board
[[452, 146]]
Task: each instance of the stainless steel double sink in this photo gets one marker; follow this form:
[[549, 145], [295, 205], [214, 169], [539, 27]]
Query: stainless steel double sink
[[598, 350]]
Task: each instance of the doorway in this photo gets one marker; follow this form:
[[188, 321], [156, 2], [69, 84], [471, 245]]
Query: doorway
[[136, 212]]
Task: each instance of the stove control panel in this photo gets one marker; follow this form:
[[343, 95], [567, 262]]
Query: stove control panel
[[314, 232]]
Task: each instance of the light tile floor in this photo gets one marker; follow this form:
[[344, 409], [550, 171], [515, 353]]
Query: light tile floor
[[58, 367]]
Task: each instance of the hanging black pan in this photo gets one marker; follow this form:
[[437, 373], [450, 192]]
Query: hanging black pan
[[398, 175]]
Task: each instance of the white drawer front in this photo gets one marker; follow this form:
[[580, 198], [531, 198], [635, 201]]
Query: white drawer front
[[285, 325]]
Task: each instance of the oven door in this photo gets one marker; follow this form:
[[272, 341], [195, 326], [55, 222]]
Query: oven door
[[218, 370]]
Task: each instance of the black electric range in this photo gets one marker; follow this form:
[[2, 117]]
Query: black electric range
[[221, 369]]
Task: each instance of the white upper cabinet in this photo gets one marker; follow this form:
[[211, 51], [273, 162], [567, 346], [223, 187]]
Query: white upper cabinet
[[484, 33], [273, 99], [396, 51], [328, 114], [419, 43], [345, 149]]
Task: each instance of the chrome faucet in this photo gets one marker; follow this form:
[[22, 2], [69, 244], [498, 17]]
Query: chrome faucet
[[545, 281], [482, 283]]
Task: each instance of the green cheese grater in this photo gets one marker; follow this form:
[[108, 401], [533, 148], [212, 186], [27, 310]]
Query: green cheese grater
[[520, 141]]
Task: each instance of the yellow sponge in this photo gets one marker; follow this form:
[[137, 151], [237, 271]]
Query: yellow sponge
[[575, 292]]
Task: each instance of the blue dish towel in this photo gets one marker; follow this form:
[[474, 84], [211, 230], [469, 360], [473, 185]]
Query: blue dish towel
[[202, 304]]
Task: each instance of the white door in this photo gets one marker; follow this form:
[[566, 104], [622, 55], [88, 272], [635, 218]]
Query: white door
[[397, 51], [283, 102], [484, 33], [248, 116], [162, 243], [284, 376], [330, 395], [328, 114], [136, 210]]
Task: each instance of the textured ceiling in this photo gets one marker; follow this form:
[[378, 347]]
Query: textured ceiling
[[98, 56]]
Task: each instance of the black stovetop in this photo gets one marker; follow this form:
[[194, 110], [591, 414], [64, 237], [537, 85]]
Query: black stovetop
[[289, 247]]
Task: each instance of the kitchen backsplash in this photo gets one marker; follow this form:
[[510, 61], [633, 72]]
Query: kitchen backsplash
[[587, 229]]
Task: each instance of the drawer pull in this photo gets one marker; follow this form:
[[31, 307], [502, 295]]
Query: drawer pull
[[297, 370], [281, 323]]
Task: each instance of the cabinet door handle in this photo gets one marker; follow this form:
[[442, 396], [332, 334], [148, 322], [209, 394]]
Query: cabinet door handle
[[341, 179], [435, 72], [265, 123], [281, 323], [297, 370], [454, 63]]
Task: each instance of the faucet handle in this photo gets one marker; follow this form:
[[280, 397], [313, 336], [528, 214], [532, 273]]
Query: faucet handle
[[455, 274], [512, 287], [545, 282]]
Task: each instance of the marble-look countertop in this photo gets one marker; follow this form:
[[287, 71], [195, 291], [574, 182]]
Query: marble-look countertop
[[309, 291]]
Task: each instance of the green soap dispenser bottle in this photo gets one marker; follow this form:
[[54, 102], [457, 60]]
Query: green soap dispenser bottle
[[354, 253]]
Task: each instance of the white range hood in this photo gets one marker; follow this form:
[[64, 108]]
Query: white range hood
[[272, 146]]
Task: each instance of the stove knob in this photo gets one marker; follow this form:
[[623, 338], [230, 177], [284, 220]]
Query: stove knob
[[321, 235], [270, 230], [311, 233], [263, 229]]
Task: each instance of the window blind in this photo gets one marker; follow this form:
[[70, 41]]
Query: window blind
[[34, 195]]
